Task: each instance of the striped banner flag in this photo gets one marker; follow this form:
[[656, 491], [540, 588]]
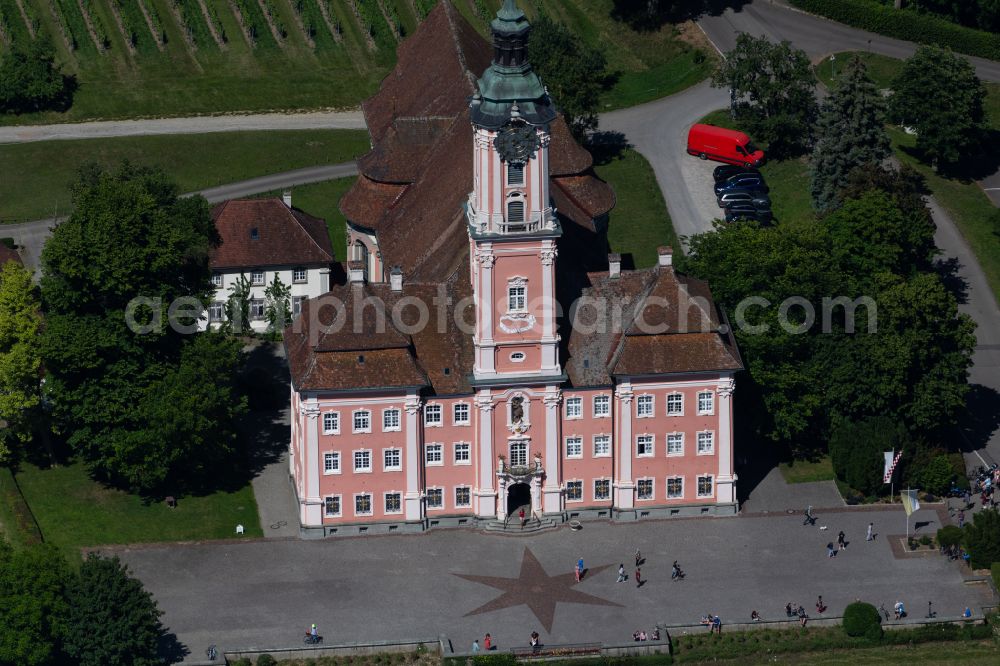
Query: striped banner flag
[[890, 465]]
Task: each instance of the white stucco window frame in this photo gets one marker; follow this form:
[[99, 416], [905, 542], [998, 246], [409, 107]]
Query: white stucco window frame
[[427, 495], [578, 401], [385, 502], [568, 498], [340, 502], [399, 419], [711, 410], [340, 463], [427, 452], [652, 445], [607, 406], [594, 489], [576, 438], [639, 400], [468, 411], [392, 468], [336, 417], [674, 394], [667, 486], [652, 492], [466, 504], [354, 421], [611, 445], [667, 444], [440, 412], [697, 443], [697, 490], [354, 461], [371, 504], [467, 461]]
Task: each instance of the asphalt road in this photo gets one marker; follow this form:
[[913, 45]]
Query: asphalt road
[[193, 125], [819, 38]]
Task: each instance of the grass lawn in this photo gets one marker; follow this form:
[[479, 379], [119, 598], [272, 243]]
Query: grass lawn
[[16, 524], [882, 69], [639, 222], [322, 200], [938, 654], [807, 471], [40, 185], [788, 180], [74, 511]]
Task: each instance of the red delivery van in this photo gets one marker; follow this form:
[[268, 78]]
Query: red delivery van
[[723, 145]]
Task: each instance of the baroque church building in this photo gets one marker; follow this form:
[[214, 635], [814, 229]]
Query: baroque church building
[[483, 353]]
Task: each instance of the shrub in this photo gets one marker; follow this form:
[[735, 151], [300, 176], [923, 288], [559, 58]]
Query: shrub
[[266, 660], [925, 540], [499, 659], [982, 539], [949, 536], [995, 572], [906, 25], [856, 451], [242, 661], [934, 476], [862, 619]]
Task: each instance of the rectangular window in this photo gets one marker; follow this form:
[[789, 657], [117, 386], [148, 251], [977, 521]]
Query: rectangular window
[[515, 212], [463, 453], [675, 404], [216, 279], [517, 298], [706, 402], [574, 408], [644, 445], [460, 413], [645, 489], [602, 406], [706, 443], [644, 406], [297, 302], [256, 278], [675, 444], [392, 460], [602, 489], [515, 173], [390, 420], [574, 491], [216, 311], [299, 275], [574, 447], [518, 453], [331, 506], [463, 496], [331, 423], [363, 505], [675, 487], [362, 421], [435, 498], [257, 308], [331, 462], [393, 503], [433, 453], [602, 446], [363, 461], [432, 415], [704, 486]]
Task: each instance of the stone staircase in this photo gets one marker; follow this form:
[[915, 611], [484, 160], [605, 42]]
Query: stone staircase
[[513, 524]]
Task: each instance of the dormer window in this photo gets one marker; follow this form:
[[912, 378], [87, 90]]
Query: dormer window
[[254, 234], [515, 173], [256, 278]]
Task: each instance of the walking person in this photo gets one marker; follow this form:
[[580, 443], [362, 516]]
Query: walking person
[[809, 520], [622, 576], [579, 570], [638, 577], [961, 518], [830, 552], [475, 646], [638, 557], [841, 542], [520, 514], [870, 536], [488, 642]]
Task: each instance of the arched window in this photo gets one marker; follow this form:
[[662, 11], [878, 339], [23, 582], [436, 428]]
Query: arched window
[[515, 212], [359, 252]]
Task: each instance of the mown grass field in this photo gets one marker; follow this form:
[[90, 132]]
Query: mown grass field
[[75, 512], [40, 186], [808, 471], [141, 58]]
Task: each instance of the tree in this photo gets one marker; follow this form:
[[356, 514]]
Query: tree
[[850, 134], [574, 73], [237, 306], [31, 81], [20, 357], [982, 539], [938, 94], [111, 273], [856, 451], [33, 604], [771, 91], [277, 307], [112, 618]]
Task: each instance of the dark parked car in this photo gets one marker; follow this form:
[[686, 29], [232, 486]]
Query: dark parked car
[[727, 171], [749, 181], [743, 196], [749, 211]]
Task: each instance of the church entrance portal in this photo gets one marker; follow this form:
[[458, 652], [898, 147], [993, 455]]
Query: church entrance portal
[[518, 495]]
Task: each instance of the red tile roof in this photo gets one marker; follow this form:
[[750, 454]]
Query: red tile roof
[[285, 237]]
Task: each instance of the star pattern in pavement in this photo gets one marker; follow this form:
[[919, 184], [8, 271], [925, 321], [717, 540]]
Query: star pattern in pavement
[[537, 590]]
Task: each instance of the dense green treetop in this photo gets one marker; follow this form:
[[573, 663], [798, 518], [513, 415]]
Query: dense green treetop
[[31, 81], [938, 94], [20, 357], [33, 607], [850, 133]]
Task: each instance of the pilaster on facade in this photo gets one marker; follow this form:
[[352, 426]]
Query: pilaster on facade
[[552, 490], [725, 480], [485, 501], [311, 504], [413, 498], [624, 484]]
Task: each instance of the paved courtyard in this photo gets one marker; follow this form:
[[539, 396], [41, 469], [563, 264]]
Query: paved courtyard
[[265, 593]]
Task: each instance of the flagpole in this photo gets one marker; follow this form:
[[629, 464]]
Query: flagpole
[[907, 512]]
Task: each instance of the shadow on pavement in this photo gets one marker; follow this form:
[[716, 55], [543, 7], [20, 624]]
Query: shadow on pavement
[[650, 16], [982, 418], [949, 272], [172, 650]]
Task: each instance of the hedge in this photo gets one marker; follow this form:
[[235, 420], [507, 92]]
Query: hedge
[[908, 25]]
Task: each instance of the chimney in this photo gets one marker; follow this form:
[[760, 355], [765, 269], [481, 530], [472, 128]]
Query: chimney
[[665, 254], [286, 196], [614, 265], [355, 271], [396, 278]]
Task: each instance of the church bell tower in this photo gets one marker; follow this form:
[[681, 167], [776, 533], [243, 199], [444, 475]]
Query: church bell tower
[[512, 226]]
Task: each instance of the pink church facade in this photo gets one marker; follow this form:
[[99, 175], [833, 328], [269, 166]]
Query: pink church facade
[[544, 382]]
